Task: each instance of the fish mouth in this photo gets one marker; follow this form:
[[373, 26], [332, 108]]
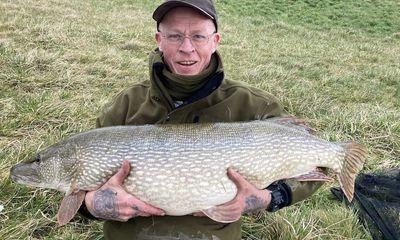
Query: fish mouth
[[25, 173]]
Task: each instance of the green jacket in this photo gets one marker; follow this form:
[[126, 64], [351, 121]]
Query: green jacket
[[232, 101], [147, 103], [228, 101]]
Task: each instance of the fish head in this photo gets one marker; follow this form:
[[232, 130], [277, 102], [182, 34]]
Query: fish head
[[53, 167], [27, 172]]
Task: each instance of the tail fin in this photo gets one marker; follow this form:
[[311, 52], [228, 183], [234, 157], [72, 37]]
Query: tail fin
[[353, 163]]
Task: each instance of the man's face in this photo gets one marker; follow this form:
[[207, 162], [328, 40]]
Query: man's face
[[188, 57]]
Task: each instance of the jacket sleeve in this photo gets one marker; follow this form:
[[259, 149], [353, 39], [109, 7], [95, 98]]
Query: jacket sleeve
[[114, 113], [301, 190]]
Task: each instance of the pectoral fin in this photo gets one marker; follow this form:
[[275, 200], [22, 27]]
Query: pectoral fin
[[70, 206], [222, 214]]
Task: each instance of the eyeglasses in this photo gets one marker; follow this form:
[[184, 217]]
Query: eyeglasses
[[197, 40]]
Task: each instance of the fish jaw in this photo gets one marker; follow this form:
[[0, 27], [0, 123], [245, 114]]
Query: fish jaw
[[27, 174], [39, 172]]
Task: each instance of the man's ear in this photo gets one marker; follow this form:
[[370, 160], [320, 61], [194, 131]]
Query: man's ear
[[217, 40], [158, 40], [218, 37]]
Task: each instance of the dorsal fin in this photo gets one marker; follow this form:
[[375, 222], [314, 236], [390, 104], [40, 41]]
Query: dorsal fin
[[293, 122]]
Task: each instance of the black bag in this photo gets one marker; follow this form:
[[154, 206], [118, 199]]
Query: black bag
[[377, 201]]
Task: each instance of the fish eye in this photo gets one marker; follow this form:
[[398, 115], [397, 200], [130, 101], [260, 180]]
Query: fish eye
[[36, 159]]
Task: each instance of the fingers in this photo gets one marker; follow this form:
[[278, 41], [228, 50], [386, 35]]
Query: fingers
[[112, 201], [116, 204], [236, 178], [138, 208], [139, 205], [122, 173], [146, 208]]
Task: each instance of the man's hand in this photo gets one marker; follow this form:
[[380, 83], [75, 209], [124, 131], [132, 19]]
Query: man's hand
[[248, 199], [113, 202]]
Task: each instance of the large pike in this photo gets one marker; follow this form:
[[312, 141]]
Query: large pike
[[182, 168]]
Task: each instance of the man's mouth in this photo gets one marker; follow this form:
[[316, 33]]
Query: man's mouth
[[187, 63]]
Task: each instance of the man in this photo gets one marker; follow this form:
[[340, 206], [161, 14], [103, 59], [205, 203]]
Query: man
[[186, 85]]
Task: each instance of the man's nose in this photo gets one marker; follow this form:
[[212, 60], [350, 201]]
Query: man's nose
[[187, 45]]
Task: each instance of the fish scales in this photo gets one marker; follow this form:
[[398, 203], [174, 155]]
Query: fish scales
[[193, 143], [182, 168]]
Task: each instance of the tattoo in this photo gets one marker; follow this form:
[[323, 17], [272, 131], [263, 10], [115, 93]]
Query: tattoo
[[254, 204], [104, 205], [137, 211]]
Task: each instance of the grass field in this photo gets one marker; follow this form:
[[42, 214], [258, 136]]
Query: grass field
[[334, 63]]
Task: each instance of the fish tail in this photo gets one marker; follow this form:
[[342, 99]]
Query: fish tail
[[353, 163]]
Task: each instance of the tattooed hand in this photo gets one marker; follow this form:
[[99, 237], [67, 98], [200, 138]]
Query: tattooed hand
[[113, 202], [248, 199]]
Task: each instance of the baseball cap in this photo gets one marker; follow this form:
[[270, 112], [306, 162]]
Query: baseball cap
[[206, 7]]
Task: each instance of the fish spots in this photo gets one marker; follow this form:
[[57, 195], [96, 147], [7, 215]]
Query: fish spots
[[204, 184], [174, 154], [140, 193], [94, 172], [195, 191], [214, 167], [148, 179], [139, 173], [153, 169], [168, 166], [161, 177]]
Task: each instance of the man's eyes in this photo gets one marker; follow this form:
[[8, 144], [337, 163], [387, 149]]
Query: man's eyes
[[178, 37], [198, 37], [175, 37]]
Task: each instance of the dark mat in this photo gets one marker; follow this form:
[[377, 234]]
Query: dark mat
[[377, 202]]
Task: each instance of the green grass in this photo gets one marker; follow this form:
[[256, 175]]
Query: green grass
[[334, 63], [372, 17]]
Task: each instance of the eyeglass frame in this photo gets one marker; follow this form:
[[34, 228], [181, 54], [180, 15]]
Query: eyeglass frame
[[190, 37]]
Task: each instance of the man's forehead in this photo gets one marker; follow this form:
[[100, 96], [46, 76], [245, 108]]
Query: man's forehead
[[186, 16]]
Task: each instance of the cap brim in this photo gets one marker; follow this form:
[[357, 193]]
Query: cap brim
[[160, 12]]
